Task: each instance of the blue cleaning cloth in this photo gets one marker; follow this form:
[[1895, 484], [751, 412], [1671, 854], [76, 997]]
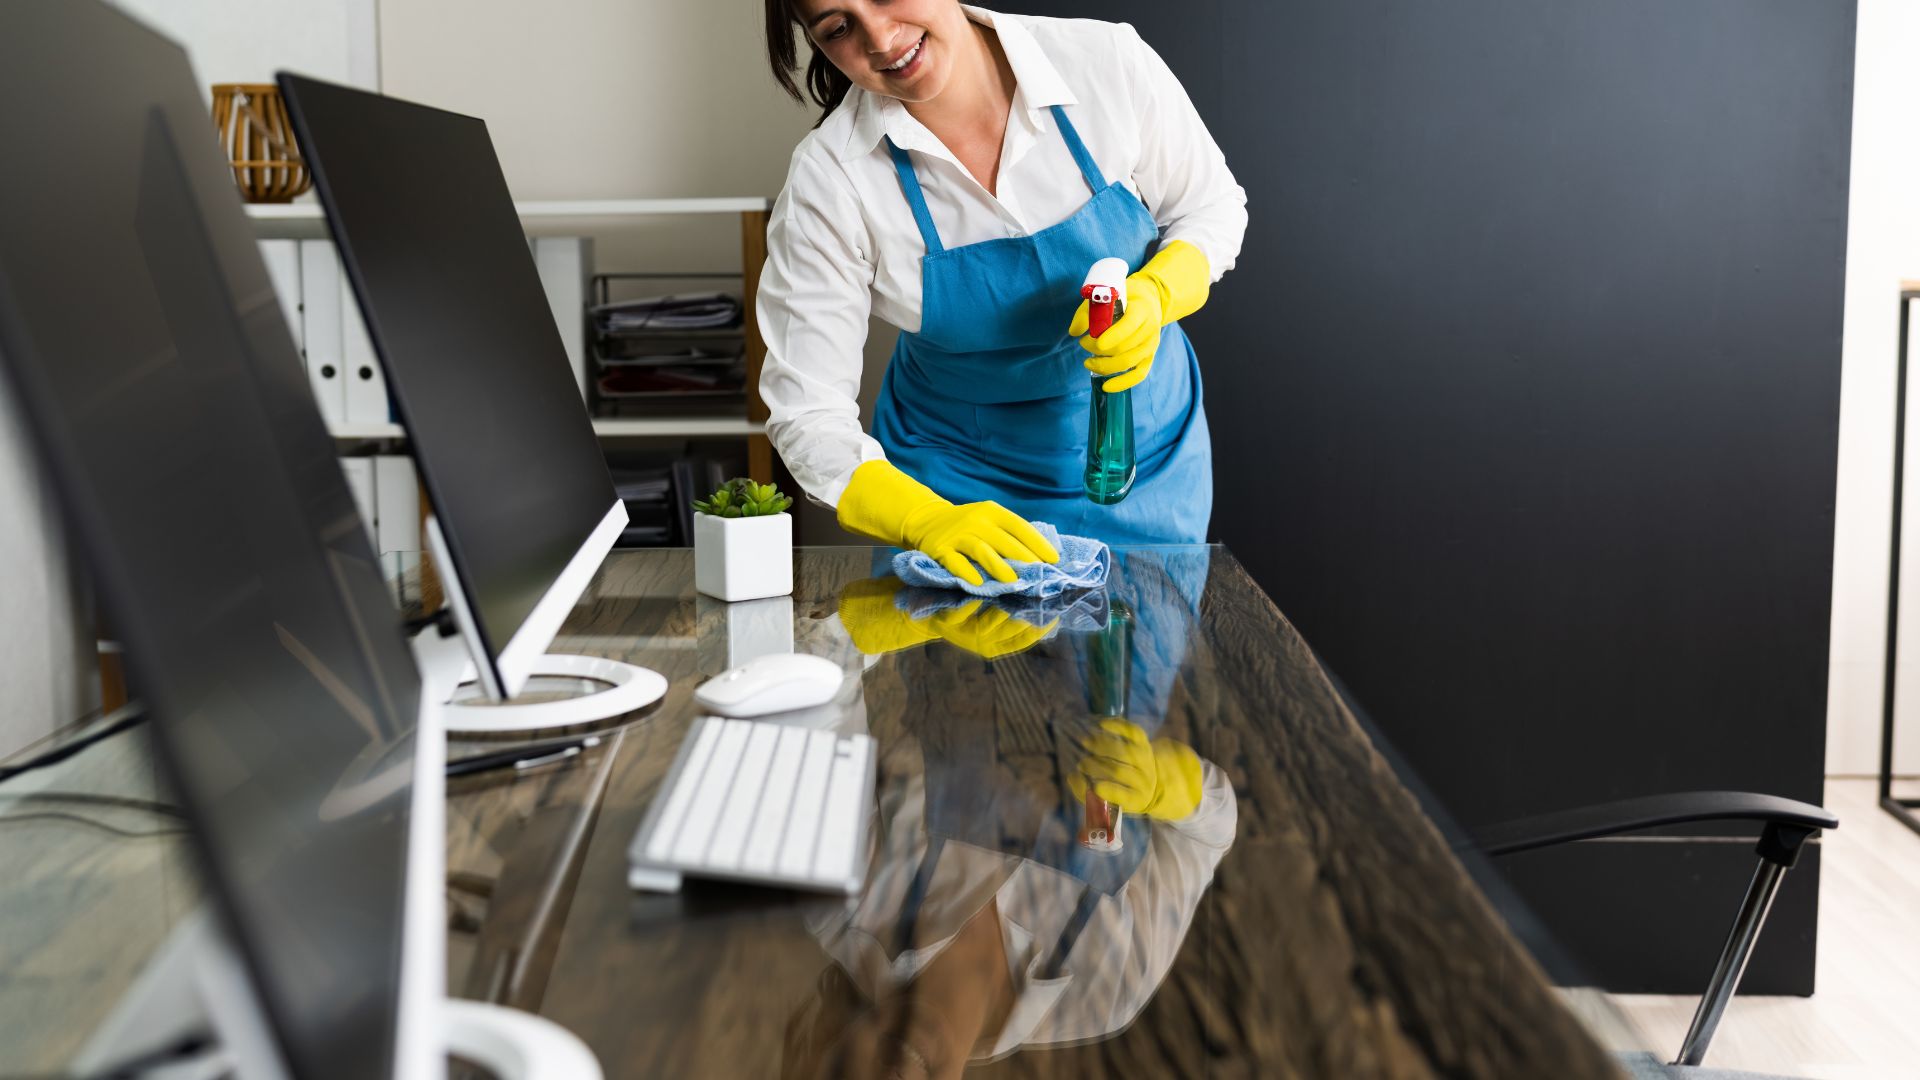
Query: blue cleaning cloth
[[1078, 610], [1083, 565]]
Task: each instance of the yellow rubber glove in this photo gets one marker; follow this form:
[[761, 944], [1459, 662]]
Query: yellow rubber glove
[[988, 631], [884, 503], [1160, 779], [1173, 285], [877, 626], [874, 623]]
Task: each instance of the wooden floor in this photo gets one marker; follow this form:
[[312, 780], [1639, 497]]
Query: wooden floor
[[1859, 1023]]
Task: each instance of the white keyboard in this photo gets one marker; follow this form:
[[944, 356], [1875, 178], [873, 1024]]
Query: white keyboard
[[749, 800]]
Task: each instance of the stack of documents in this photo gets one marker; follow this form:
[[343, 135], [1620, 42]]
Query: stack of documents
[[669, 351], [646, 486], [692, 311], [638, 380], [656, 354]]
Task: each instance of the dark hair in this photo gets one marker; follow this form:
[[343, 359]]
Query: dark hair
[[825, 83]]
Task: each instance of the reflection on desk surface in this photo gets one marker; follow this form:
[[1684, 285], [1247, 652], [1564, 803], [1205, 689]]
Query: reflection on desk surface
[[961, 947], [1306, 920]]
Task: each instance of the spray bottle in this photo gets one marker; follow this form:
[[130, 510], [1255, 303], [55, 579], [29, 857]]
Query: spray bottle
[[1110, 464], [1109, 680]]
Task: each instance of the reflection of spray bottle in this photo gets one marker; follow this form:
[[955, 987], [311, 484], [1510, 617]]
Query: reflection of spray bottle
[[1110, 464], [1109, 673], [1100, 828]]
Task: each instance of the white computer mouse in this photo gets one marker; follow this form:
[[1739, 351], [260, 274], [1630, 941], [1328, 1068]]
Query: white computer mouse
[[781, 682]]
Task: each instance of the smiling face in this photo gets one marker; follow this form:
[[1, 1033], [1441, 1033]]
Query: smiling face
[[903, 49]]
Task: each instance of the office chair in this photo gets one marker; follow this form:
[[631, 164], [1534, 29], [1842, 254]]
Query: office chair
[[1786, 827]]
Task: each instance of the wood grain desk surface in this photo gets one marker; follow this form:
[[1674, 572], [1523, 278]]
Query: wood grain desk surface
[[1336, 936], [1308, 921]]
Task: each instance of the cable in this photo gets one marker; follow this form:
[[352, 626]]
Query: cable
[[145, 806], [198, 1044], [117, 721], [62, 815]]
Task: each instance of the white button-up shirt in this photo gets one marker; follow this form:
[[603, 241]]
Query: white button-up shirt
[[842, 243]]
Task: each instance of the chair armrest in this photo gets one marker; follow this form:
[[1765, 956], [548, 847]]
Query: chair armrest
[[1646, 812]]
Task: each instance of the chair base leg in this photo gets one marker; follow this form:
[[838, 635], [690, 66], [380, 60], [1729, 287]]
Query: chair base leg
[[1733, 961]]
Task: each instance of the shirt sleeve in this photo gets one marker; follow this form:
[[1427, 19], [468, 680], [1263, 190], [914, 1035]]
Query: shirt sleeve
[[813, 305], [1182, 175]]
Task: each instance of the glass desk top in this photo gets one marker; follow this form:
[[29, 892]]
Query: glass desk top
[[1308, 917]]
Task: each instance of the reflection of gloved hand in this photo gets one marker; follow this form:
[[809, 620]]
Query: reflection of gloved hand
[[877, 625], [988, 631], [892, 507], [1173, 285], [1160, 779]]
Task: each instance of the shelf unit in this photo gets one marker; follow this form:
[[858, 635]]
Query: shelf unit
[[635, 427], [306, 221]]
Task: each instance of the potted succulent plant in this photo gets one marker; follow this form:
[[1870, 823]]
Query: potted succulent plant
[[743, 542]]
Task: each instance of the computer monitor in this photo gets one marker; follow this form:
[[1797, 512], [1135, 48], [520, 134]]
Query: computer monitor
[[142, 338], [524, 509], [141, 333]]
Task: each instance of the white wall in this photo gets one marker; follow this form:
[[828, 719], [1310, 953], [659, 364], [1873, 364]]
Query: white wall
[[1883, 246], [47, 673], [609, 99], [232, 41]]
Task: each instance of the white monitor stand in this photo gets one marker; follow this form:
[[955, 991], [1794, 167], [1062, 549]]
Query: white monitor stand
[[627, 687], [196, 984]]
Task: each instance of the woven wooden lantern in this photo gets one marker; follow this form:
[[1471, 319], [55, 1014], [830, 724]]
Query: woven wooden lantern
[[258, 137]]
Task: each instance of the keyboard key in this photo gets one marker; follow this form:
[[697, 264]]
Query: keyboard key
[[776, 802], [684, 784], [796, 848], [748, 789], [845, 795], [711, 796]]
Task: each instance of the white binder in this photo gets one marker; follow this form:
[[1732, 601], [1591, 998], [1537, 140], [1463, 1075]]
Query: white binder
[[320, 281], [283, 266], [396, 492], [359, 472], [366, 390], [566, 273]]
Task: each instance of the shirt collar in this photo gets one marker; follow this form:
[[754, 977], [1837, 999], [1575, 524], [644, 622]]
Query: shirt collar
[[1038, 86]]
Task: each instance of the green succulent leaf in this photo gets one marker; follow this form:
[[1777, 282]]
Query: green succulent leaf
[[742, 497]]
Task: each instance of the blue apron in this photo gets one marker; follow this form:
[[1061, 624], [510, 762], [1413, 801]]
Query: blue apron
[[989, 400]]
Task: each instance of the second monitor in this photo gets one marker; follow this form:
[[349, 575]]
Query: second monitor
[[524, 510]]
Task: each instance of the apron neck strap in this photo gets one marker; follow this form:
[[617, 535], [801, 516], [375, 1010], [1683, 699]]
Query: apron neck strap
[[1090, 169], [917, 199], [910, 184]]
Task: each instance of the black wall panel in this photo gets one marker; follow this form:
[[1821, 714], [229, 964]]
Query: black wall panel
[[1525, 391]]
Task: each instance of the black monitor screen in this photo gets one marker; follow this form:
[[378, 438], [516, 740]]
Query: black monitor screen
[[427, 230], [141, 334]]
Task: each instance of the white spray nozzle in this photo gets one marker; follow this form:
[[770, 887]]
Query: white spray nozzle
[[1108, 274]]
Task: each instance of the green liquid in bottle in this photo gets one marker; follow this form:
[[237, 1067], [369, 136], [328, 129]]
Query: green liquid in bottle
[[1110, 463], [1110, 670]]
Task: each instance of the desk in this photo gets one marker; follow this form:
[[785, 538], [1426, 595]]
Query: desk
[[1338, 936]]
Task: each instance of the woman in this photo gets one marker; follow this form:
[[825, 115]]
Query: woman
[[969, 169]]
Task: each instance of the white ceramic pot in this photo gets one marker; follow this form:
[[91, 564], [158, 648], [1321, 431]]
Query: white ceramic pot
[[733, 634], [743, 558]]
